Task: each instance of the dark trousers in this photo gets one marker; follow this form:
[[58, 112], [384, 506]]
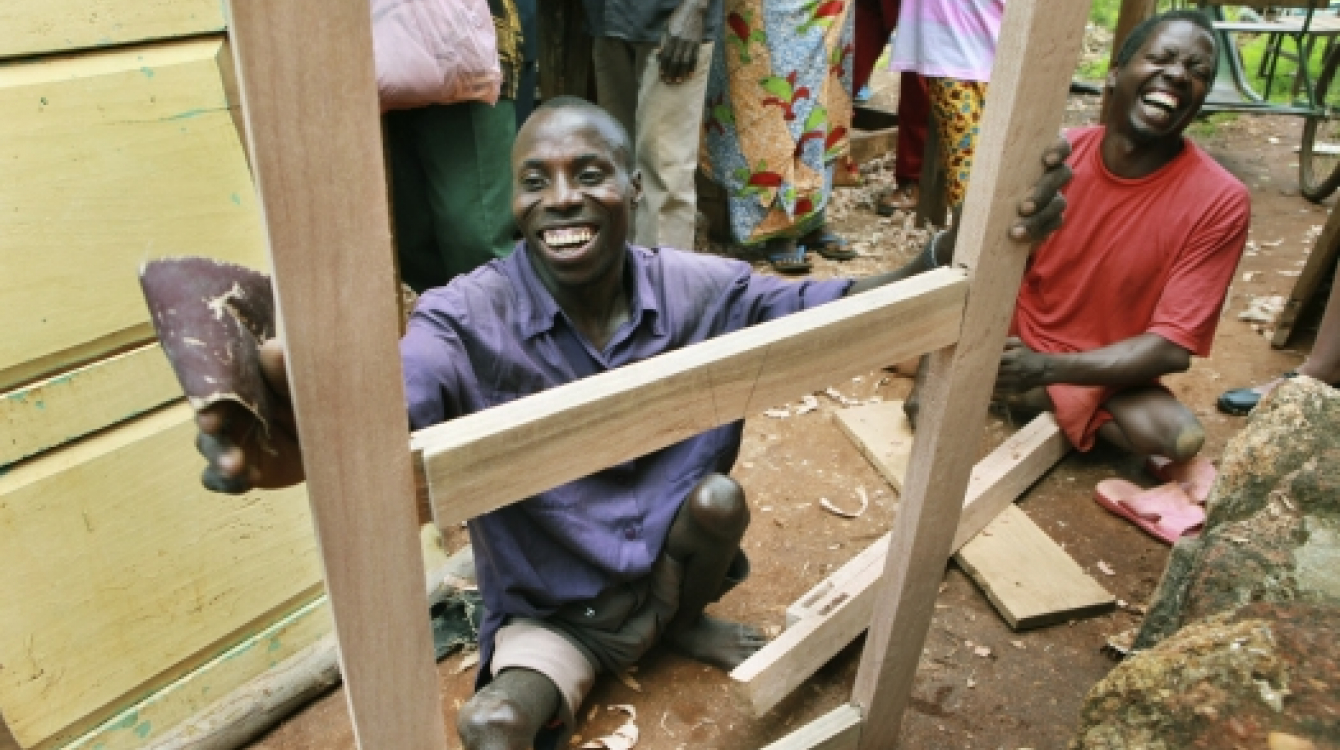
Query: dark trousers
[[875, 21], [451, 188]]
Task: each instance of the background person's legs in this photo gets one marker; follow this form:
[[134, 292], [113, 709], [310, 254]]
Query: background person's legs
[[1149, 420], [958, 120], [464, 152], [664, 121]]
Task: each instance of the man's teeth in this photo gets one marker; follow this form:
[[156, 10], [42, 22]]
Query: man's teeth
[[1161, 99], [567, 237]]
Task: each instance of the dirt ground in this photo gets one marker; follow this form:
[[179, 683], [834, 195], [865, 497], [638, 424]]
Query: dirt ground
[[1027, 692]]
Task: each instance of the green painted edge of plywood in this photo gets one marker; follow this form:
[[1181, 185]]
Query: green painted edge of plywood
[[153, 716]]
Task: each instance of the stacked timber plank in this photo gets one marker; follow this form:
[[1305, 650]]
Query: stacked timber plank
[[133, 598]]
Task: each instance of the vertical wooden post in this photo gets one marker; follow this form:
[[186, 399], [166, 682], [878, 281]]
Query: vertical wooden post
[[310, 102], [1039, 45]]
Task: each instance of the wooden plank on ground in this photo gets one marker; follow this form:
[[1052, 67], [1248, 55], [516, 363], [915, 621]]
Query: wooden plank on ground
[[1027, 576], [314, 132], [836, 611], [884, 435], [1320, 263], [1037, 50], [53, 412], [29, 27], [1027, 594], [122, 573], [488, 459], [110, 159], [839, 729]]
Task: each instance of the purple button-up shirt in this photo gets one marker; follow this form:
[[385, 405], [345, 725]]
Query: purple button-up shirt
[[496, 335]]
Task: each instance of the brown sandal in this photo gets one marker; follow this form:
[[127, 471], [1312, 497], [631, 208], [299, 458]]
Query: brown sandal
[[903, 198]]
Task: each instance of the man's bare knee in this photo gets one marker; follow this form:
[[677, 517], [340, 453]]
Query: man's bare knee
[[717, 506], [1187, 441], [508, 712]]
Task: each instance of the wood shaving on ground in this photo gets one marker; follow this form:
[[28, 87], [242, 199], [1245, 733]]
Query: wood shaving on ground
[[777, 413], [831, 508], [1119, 645], [807, 404], [469, 660], [623, 738], [1263, 309], [837, 396], [1107, 569], [982, 651], [629, 681]]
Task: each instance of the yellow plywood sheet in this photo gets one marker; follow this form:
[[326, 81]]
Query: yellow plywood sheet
[[29, 27], [51, 412], [122, 573], [110, 159]]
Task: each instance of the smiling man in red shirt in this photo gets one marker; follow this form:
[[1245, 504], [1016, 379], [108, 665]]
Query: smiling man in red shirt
[[1132, 286]]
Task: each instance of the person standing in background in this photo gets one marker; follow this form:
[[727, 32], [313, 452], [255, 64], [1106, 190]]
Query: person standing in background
[[651, 59], [876, 20], [952, 43], [780, 111], [527, 79], [450, 165]]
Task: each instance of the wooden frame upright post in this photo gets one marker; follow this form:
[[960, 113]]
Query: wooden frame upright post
[[310, 102], [1036, 54]]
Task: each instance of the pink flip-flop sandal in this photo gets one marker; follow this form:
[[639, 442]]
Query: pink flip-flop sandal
[[1166, 512], [1196, 476]]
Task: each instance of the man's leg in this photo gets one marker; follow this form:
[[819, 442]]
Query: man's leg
[[508, 712], [704, 540], [416, 247], [1151, 421], [615, 63], [667, 131], [466, 152]]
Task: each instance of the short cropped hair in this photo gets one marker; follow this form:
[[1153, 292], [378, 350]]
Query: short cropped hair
[[623, 144], [1140, 34]]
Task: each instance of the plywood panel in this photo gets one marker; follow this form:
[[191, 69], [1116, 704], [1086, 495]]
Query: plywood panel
[[52, 412], [30, 27], [159, 716], [110, 159], [122, 573]]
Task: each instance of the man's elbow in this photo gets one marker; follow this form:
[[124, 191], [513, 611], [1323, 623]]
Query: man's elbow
[[1175, 359]]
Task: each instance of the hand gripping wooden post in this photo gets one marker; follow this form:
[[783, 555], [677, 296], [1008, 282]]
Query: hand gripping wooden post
[[310, 101], [310, 104]]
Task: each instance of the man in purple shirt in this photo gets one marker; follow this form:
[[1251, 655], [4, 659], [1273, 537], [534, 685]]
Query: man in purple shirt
[[585, 577]]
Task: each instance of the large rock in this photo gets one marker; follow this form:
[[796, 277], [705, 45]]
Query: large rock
[[1240, 646], [1273, 529], [1266, 676]]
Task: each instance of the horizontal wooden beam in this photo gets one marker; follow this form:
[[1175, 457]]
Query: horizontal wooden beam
[[839, 729], [486, 460], [832, 614]]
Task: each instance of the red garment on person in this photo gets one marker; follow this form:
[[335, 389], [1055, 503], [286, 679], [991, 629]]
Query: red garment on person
[[1152, 255]]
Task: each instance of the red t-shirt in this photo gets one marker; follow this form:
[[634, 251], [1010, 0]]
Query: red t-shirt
[[1153, 255]]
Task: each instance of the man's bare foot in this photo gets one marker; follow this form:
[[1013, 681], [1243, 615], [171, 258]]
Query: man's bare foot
[[720, 643]]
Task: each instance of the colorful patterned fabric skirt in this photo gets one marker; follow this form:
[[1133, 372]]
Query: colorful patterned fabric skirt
[[778, 112], [958, 122]]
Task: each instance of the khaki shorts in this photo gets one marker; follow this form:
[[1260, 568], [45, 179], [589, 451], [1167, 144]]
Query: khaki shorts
[[606, 634]]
